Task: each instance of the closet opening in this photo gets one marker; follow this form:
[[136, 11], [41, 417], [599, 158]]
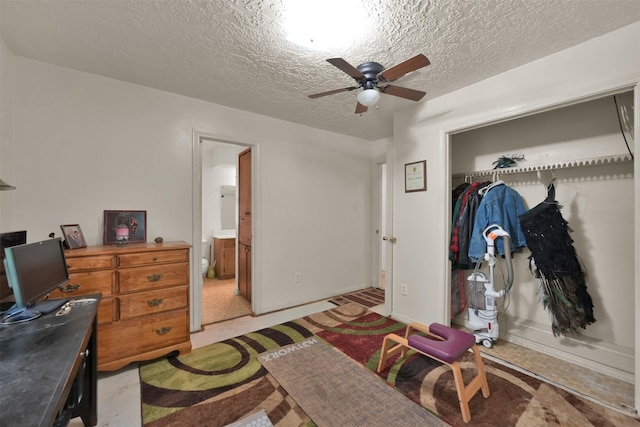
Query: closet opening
[[586, 150]]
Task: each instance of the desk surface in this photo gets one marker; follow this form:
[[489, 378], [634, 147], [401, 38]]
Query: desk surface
[[37, 359]]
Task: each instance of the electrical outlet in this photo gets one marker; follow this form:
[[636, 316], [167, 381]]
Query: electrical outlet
[[296, 277], [404, 289]]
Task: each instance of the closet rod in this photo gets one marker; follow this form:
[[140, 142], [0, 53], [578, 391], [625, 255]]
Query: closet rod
[[595, 161]]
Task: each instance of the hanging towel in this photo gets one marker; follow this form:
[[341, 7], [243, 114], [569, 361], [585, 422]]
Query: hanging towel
[[500, 205]]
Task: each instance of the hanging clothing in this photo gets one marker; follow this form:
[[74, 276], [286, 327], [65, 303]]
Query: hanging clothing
[[562, 285], [462, 227], [458, 293], [454, 243], [500, 205], [457, 196], [467, 219]]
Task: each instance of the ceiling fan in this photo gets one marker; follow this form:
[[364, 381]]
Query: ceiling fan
[[374, 78]]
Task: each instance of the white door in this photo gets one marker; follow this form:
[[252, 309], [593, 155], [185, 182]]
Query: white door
[[386, 237]]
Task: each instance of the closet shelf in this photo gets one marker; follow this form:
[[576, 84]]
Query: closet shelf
[[595, 161]]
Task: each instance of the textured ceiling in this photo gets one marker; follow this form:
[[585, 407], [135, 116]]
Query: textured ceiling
[[235, 52]]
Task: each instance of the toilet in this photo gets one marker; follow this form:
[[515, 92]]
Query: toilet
[[204, 261]]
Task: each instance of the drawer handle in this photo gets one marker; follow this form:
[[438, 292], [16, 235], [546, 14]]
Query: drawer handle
[[164, 330], [154, 277], [155, 302], [69, 287], [155, 258]]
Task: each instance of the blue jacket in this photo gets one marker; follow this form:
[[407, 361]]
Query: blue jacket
[[500, 205]]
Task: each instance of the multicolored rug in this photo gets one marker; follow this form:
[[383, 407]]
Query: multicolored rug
[[369, 297], [224, 382]]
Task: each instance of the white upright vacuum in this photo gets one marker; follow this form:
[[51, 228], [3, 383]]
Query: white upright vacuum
[[483, 314]]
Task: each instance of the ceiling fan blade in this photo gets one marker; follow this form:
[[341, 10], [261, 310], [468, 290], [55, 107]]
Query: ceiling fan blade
[[331, 92], [346, 67], [403, 68], [361, 108], [403, 92]]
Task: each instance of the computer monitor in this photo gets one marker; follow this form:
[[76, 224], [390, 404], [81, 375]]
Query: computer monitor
[[33, 271], [7, 240]]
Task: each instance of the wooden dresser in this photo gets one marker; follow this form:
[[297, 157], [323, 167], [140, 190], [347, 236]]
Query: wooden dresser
[[144, 311]]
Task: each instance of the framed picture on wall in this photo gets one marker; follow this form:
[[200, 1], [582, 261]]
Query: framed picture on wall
[[73, 236], [122, 227], [415, 176]]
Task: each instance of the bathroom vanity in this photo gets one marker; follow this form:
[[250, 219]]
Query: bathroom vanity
[[224, 253]]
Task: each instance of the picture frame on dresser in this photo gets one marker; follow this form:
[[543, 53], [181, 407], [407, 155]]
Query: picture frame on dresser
[[122, 227], [73, 237]]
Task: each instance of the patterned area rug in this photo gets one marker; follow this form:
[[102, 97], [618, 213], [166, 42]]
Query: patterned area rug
[[369, 297], [322, 381], [221, 383]]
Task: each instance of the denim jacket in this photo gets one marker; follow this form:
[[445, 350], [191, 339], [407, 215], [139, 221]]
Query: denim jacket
[[500, 205]]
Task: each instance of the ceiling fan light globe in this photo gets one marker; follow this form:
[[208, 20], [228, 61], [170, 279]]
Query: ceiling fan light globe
[[369, 97]]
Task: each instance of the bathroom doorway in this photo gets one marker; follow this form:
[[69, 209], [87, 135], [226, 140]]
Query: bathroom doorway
[[220, 299]]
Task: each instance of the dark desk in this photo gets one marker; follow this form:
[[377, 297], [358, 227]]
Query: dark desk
[[39, 361]]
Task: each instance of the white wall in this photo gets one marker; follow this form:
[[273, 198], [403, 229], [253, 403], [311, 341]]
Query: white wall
[[421, 219], [6, 126], [84, 143]]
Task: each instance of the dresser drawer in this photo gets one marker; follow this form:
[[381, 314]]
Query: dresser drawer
[[150, 258], [87, 283], [100, 262], [106, 311], [134, 336], [153, 277], [157, 301]]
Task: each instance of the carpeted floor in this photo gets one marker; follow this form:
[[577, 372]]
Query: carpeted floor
[[369, 297], [223, 382], [219, 302]]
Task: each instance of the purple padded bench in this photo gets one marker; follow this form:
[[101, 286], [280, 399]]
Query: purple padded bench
[[447, 345]]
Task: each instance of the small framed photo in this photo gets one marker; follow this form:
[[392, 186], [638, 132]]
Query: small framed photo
[[415, 176], [73, 236], [122, 227]]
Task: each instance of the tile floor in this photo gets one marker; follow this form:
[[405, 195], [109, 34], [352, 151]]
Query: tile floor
[[119, 392]]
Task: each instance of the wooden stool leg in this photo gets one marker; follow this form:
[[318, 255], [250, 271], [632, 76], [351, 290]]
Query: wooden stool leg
[[463, 399], [386, 351], [481, 371]]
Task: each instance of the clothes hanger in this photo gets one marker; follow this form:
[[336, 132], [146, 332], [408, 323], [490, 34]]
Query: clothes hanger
[[495, 183], [551, 190]]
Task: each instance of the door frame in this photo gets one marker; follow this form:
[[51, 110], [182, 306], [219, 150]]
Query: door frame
[[388, 246], [195, 290]]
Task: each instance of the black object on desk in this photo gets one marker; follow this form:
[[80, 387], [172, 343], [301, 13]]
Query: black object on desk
[[48, 368]]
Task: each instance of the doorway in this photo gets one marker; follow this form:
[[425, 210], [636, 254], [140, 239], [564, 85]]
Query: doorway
[[214, 294]]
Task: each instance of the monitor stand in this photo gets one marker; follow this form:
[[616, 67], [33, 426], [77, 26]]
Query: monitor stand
[[16, 315], [48, 305], [23, 315]]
